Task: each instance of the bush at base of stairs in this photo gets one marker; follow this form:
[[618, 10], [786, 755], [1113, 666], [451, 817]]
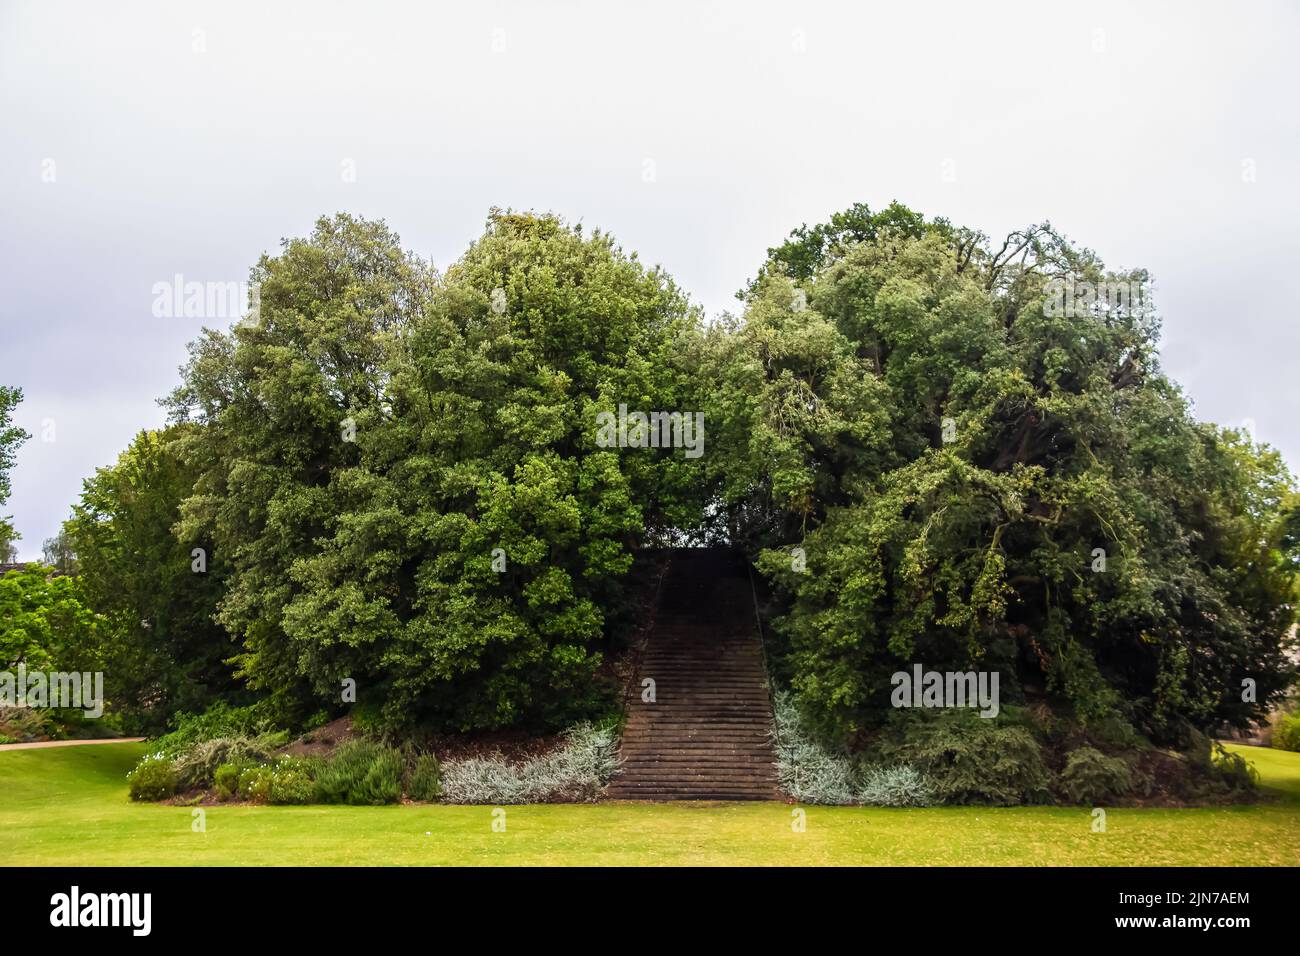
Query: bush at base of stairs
[[808, 771], [812, 773], [577, 771]]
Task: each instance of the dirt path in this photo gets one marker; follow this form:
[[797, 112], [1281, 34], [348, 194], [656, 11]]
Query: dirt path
[[69, 743]]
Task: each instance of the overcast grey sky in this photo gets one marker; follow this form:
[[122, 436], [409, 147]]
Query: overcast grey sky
[[152, 139]]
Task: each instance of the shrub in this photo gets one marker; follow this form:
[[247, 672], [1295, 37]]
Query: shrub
[[1234, 770], [196, 766], [218, 721], [483, 780], [361, 772], [1090, 777], [1216, 773], [576, 771], [288, 780], [255, 784], [970, 759], [808, 771], [153, 778], [23, 724], [899, 786], [579, 769], [343, 771], [424, 778], [225, 780], [291, 781], [382, 782], [1287, 734]]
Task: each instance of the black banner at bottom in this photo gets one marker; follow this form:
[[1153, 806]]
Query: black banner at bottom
[[559, 906]]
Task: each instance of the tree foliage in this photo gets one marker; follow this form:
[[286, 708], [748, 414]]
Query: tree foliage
[[398, 468], [45, 623], [11, 437], [160, 647], [950, 452]]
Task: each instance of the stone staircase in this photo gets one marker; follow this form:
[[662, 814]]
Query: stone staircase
[[707, 733]]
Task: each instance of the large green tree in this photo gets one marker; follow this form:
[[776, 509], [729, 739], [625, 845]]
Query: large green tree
[[954, 453], [161, 648], [402, 474], [275, 399]]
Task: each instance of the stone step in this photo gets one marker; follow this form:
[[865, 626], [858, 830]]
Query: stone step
[[696, 793], [696, 774], [707, 736]]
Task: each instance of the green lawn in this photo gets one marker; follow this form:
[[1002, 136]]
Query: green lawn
[[68, 806]]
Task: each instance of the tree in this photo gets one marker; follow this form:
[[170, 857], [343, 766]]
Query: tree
[[59, 554], [11, 437], [44, 622], [160, 647], [809, 249], [400, 470], [533, 335], [1024, 491], [278, 398]]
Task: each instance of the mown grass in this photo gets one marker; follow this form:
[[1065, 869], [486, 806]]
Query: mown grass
[[69, 806]]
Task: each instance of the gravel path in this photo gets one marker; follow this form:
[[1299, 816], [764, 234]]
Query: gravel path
[[37, 745]]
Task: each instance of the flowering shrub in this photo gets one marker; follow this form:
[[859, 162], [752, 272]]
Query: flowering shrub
[[255, 784], [196, 765], [153, 778]]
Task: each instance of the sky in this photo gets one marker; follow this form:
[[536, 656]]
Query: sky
[[147, 141]]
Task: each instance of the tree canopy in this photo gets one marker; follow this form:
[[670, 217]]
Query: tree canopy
[[979, 479], [400, 474], [158, 643]]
